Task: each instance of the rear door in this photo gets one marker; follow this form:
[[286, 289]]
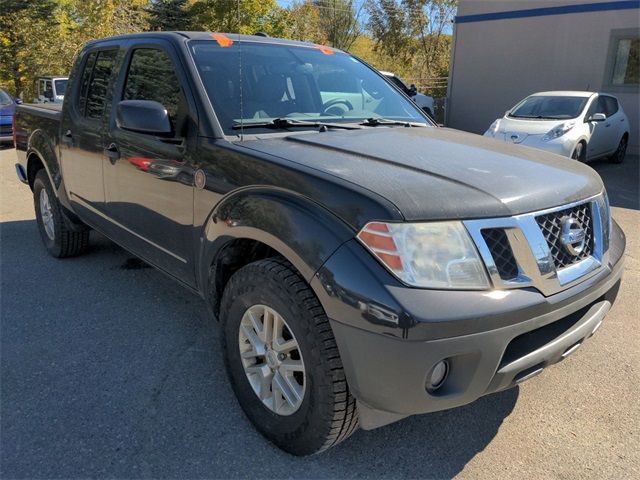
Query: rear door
[[82, 132], [149, 179]]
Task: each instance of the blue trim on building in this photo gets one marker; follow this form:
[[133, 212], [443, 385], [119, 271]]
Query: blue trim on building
[[545, 11]]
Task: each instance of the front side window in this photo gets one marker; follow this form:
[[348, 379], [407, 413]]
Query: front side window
[[99, 84], [626, 68], [549, 107], [256, 82], [152, 76], [610, 105], [597, 106]]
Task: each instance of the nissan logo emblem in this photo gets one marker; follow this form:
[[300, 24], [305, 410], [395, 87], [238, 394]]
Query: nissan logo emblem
[[573, 237]]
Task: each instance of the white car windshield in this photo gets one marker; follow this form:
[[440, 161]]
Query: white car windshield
[[549, 107], [252, 82]]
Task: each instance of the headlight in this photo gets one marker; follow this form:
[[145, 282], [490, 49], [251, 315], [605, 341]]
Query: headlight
[[430, 255], [558, 131], [493, 129]]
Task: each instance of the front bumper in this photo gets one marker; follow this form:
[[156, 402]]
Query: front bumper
[[491, 340]]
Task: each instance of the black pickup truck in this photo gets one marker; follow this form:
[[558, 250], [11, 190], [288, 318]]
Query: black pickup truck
[[365, 265]]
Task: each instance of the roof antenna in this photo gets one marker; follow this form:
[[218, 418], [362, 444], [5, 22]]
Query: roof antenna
[[240, 75]]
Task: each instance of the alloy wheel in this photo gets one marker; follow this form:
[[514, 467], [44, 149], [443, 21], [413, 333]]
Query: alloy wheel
[[272, 359], [46, 214]]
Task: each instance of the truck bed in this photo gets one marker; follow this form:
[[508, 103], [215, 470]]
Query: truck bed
[[50, 110]]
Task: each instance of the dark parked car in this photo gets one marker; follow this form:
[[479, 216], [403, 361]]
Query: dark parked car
[[365, 264], [7, 109]]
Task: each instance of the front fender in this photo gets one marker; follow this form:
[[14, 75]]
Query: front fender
[[300, 230]]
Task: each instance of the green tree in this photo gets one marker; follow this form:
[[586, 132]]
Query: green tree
[[24, 25], [168, 15], [238, 16]]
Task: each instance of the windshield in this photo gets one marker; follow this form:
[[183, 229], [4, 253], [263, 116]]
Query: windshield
[[61, 86], [4, 98], [294, 82], [551, 107]]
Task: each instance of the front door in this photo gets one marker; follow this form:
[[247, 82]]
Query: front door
[[599, 130], [149, 179]]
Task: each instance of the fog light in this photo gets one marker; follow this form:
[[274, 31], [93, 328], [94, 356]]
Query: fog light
[[438, 375]]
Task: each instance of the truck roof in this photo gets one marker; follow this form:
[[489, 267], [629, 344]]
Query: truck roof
[[181, 36]]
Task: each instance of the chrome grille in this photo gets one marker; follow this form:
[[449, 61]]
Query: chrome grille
[[525, 250], [501, 252], [551, 227]]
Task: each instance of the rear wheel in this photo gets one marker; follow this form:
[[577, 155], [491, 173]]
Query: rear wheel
[[58, 238], [283, 361], [580, 152], [621, 151]]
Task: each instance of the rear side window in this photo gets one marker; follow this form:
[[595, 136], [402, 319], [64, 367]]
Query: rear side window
[[84, 81], [99, 83], [152, 76], [610, 105]]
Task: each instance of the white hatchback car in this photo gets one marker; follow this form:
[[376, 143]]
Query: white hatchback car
[[580, 125]]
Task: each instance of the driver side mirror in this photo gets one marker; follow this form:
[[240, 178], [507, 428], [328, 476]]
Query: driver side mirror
[[597, 117], [413, 90], [143, 116]]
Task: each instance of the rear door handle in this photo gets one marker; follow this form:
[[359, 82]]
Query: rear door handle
[[112, 153]]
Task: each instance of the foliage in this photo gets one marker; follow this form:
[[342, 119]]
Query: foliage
[[409, 37], [169, 15]]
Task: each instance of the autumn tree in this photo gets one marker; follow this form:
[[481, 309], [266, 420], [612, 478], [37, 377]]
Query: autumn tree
[[340, 21]]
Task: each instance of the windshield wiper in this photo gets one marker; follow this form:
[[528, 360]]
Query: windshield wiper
[[290, 122], [375, 122]]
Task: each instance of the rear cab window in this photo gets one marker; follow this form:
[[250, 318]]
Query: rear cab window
[[94, 83]]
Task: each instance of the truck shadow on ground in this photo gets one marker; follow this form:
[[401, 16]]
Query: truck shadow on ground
[[116, 372]]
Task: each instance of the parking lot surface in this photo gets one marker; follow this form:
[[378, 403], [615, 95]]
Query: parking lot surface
[[109, 369]]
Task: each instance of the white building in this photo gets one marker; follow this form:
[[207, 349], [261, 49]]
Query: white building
[[504, 50]]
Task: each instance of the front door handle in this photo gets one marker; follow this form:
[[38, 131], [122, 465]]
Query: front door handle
[[112, 153]]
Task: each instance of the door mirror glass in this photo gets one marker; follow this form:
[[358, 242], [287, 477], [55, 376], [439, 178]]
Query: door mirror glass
[[597, 117], [143, 116]]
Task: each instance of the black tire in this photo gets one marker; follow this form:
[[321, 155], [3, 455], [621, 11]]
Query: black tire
[[580, 152], [327, 414], [64, 242], [621, 151]]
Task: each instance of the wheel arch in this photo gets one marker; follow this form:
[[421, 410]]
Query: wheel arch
[[257, 223]]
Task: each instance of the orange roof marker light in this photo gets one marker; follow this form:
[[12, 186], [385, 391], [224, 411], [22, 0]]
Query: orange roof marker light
[[222, 39], [325, 50]]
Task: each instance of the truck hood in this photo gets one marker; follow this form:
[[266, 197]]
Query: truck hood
[[437, 173]]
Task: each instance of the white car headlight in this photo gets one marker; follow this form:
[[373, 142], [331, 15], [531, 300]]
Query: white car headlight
[[493, 129], [431, 255], [558, 131]]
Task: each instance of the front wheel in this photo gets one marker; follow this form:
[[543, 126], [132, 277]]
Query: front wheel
[[621, 151], [282, 359]]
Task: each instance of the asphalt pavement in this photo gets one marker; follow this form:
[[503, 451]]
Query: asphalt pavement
[[108, 369]]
